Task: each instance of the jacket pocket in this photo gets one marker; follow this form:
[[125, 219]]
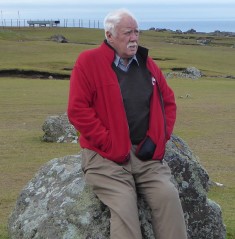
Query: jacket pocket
[[146, 149]]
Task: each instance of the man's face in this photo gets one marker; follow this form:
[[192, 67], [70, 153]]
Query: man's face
[[125, 39]]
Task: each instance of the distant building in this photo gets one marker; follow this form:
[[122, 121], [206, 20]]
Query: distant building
[[43, 23]]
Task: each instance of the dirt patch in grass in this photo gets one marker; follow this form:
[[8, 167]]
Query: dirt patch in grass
[[33, 74]]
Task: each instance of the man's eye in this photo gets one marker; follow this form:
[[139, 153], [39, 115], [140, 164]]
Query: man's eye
[[137, 32], [128, 33]]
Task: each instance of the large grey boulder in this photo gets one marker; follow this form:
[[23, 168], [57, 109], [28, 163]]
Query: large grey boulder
[[57, 204]]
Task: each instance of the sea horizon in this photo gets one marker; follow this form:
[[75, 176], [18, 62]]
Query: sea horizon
[[205, 26]]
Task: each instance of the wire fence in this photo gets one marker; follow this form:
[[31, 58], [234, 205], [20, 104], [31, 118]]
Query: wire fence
[[4, 23]]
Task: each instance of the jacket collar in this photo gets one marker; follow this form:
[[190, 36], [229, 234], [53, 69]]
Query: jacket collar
[[142, 51]]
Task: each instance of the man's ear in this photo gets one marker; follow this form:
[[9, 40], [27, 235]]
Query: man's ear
[[108, 36]]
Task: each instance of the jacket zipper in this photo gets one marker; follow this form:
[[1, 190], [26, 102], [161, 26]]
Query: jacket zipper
[[162, 106]]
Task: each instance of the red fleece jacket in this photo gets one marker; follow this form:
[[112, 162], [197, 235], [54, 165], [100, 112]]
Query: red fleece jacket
[[96, 109]]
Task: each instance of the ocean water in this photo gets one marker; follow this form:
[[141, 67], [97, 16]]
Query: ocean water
[[199, 26]]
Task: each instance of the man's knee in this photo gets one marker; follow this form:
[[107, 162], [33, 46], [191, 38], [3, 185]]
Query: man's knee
[[165, 195]]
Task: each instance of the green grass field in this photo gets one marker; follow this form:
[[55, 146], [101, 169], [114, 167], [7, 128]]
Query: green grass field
[[205, 119]]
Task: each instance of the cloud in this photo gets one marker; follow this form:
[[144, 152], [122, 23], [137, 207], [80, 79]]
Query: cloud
[[105, 2], [144, 10]]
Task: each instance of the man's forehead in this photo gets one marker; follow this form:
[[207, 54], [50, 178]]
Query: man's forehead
[[126, 29], [128, 22]]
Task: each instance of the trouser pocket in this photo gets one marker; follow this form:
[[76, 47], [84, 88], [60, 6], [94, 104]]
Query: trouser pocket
[[87, 156]]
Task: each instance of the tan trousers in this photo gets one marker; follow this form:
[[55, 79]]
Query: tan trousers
[[117, 185]]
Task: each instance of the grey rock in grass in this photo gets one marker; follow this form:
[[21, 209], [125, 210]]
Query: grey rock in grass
[[189, 73], [57, 204], [59, 38], [58, 129], [193, 71]]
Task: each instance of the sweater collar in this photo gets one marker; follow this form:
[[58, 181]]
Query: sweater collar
[[118, 60]]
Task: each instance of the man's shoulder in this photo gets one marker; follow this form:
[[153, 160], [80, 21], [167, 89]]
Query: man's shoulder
[[89, 53], [94, 53]]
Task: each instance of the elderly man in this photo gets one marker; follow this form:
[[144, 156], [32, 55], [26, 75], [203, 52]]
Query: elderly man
[[125, 112]]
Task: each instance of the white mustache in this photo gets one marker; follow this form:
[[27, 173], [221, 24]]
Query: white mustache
[[131, 44]]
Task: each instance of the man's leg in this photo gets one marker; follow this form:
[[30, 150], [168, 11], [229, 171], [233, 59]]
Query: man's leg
[[153, 182], [115, 187]]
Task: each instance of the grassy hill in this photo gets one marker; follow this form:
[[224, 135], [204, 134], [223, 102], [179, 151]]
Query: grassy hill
[[205, 119]]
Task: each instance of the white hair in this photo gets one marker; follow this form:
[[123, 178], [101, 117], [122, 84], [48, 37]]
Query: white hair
[[114, 17]]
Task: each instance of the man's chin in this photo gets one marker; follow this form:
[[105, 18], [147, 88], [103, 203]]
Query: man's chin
[[132, 52]]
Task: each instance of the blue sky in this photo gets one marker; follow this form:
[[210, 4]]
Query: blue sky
[[148, 10]]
